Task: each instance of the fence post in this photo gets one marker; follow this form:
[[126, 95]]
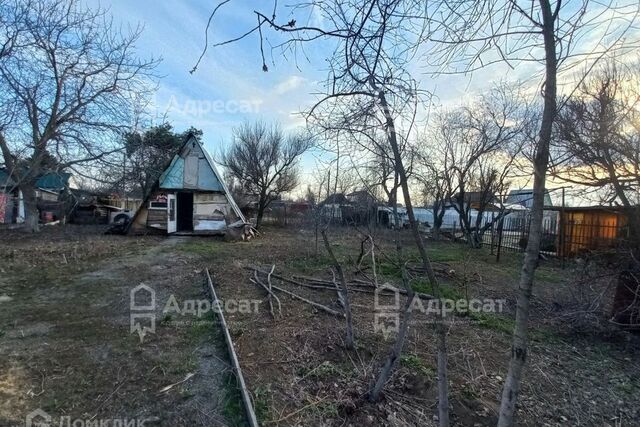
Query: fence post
[[561, 240], [492, 235], [500, 227]]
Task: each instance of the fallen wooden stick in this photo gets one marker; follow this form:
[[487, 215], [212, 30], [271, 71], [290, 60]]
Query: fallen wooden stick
[[308, 301], [273, 267], [244, 392], [258, 282], [385, 287], [341, 297], [311, 286], [170, 386], [313, 279]]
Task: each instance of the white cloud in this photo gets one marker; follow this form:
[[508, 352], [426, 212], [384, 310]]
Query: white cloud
[[289, 84]]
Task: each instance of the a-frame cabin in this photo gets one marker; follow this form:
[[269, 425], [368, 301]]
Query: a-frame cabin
[[189, 197]]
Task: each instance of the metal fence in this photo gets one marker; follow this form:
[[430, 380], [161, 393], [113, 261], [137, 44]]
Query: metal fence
[[563, 239], [512, 234]]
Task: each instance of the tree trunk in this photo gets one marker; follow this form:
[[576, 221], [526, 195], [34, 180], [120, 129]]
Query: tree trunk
[[32, 217], [520, 340], [443, 386], [262, 205], [344, 294], [396, 350], [438, 217], [259, 217], [407, 314]]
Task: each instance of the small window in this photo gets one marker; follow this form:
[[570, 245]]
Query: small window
[[158, 205]]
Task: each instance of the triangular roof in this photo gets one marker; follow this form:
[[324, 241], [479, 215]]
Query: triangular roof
[[53, 181], [169, 182], [56, 181]]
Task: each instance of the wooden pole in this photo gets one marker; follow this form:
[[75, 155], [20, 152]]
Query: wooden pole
[[308, 301], [246, 399]]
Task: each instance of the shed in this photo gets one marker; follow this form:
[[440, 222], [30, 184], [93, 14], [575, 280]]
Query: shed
[[590, 228], [189, 197]]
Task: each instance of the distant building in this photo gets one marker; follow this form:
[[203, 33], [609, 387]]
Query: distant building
[[476, 200], [519, 218], [524, 198], [358, 207], [189, 197], [52, 191]]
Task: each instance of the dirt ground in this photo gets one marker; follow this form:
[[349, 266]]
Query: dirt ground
[[65, 341], [300, 373], [66, 346]]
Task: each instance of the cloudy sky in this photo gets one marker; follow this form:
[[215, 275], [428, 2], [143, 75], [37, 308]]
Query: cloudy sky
[[230, 87]]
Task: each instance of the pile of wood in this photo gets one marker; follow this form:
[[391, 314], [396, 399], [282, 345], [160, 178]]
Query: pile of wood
[[241, 230]]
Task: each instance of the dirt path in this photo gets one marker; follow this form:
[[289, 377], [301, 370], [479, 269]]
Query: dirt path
[[66, 347]]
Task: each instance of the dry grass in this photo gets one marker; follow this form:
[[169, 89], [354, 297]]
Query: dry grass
[[311, 379], [66, 347]]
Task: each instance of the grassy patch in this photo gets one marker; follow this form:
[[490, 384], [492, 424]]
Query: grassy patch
[[493, 321], [446, 291], [203, 246], [308, 265], [260, 403], [233, 408], [416, 364], [326, 409], [448, 252], [544, 335], [627, 385], [390, 270], [324, 370], [551, 275], [202, 326]]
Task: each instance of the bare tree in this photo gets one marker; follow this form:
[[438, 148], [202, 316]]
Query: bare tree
[[472, 154], [265, 161], [471, 35], [369, 92], [598, 132], [343, 292], [65, 83], [435, 191], [373, 37], [598, 135]]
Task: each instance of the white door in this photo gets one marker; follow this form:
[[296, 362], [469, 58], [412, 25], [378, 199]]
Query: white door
[[172, 224]]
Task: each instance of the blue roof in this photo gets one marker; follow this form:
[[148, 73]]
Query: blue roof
[[191, 169], [5, 179], [56, 181]]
